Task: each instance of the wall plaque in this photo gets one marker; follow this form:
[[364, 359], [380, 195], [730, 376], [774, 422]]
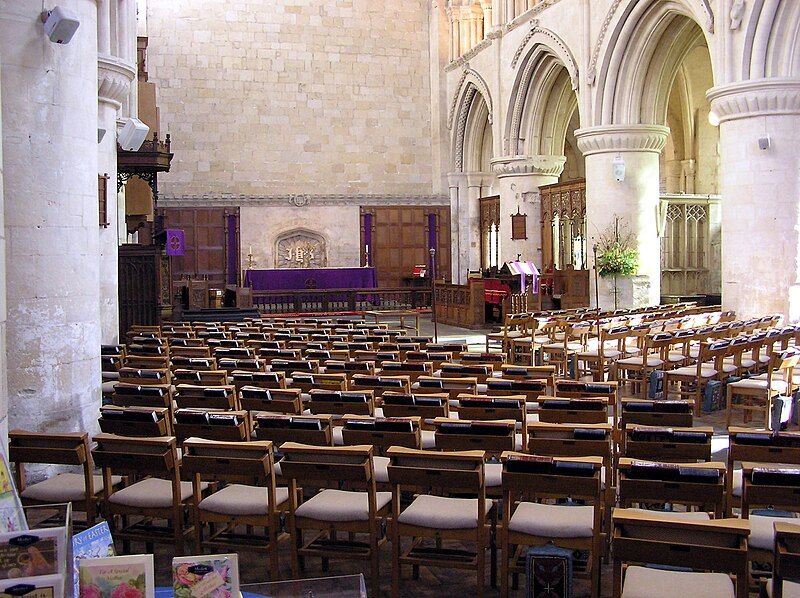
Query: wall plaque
[[300, 248], [519, 226]]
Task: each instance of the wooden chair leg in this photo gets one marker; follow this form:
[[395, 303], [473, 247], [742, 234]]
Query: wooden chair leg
[[504, 550], [274, 566], [296, 539], [728, 406], [480, 563], [374, 564], [395, 562]]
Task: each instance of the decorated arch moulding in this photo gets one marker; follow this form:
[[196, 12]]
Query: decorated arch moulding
[[528, 165], [757, 97], [553, 41], [469, 76], [621, 138]]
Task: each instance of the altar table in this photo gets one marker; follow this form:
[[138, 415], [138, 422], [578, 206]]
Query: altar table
[[282, 279]]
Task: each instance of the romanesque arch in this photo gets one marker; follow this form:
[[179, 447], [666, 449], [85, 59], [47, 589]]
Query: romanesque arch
[[471, 125]]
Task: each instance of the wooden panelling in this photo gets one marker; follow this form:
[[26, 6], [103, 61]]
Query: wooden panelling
[[205, 241], [461, 305], [144, 294], [400, 240]]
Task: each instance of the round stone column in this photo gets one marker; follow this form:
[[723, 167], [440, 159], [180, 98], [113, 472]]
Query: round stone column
[[633, 200], [51, 219], [760, 195], [519, 179], [3, 345]]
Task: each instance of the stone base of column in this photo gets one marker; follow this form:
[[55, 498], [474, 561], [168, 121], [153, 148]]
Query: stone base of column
[[626, 292]]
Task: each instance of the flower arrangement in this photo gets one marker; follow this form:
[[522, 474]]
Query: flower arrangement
[[617, 255]]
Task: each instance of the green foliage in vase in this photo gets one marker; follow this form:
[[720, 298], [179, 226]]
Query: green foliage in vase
[[617, 254]]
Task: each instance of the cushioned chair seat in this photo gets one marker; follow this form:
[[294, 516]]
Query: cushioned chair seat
[[651, 361], [107, 388], [113, 376], [493, 474], [381, 467], [560, 347], [706, 371], [609, 353], [746, 361], [675, 357], [443, 512], [645, 582], [553, 521], [738, 476], [152, 493], [675, 515], [752, 384], [762, 530], [238, 499], [341, 505], [65, 487], [791, 589], [338, 438], [428, 439]]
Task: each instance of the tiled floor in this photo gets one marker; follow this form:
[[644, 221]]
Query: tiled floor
[[432, 582]]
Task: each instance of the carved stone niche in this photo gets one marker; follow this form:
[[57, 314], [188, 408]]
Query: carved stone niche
[[300, 248]]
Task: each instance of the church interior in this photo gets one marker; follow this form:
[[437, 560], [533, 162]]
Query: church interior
[[420, 298]]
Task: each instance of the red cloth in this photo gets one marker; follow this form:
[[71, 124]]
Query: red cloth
[[496, 291]]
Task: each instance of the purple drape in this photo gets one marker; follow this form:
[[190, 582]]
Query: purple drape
[[232, 249], [368, 247]]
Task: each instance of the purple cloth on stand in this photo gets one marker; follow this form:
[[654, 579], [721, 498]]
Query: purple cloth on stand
[[282, 279]]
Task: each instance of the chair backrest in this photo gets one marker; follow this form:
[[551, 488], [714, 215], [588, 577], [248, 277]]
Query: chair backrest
[[339, 402], [278, 400], [713, 545], [380, 384], [770, 486], [437, 358], [787, 557], [382, 432], [183, 362], [69, 448], [674, 445], [694, 485], [250, 463], [228, 426], [461, 370], [431, 471], [200, 377], [425, 406], [135, 421], [531, 477], [328, 466], [138, 457], [493, 437], [575, 389], [206, 397], [305, 381], [453, 386], [412, 369], [662, 413], [137, 395], [242, 378], [557, 410], [484, 408], [144, 377], [572, 440], [307, 429], [532, 388]]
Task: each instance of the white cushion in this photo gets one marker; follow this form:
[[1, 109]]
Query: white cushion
[[736, 489], [645, 582], [338, 437], [107, 388], [754, 384], [762, 530], [152, 493], [65, 487], [443, 512], [651, 361], [791, 589], [428, 439], [675, 515], [238, 499], [610, 353], [493, 475], [341, 505], [560, 347], [381, 467], [553, 521], [706, 371]]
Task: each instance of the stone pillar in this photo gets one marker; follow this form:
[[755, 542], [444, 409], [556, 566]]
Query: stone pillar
[[760, 196], [51, 219], [519, 179], [114, 78], [3, 346], [453, 183], [634, 200], [470, 224], [488, 23]]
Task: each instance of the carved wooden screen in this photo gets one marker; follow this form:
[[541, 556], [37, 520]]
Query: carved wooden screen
[[490, 232], [564, 225], [686, 247]]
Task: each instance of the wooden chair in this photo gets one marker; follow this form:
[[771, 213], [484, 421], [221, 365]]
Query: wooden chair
[[575, 336], [757, 446], [157, 494], [700, 485], [84, 490], [609, 347], [756, 394], [775, 490], [531, 485], [637, 369], [435, 514], [786, 570], [249, 498], [334, 510], [715, 550], [690, 381], [514, 326]]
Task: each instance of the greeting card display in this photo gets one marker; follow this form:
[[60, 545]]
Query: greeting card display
[[117, 577], [45, 586], [93, 543], [206, 576]]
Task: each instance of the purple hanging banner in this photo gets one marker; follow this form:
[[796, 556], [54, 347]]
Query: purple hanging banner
[[176, 242], [232, 250], [368, 248], [431, 239]]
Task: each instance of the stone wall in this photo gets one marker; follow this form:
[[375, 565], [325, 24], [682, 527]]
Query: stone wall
[[293, 96]]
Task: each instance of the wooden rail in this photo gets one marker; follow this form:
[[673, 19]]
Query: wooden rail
[[332, 300]]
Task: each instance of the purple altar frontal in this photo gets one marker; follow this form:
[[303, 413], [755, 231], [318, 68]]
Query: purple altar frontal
[[284, 279]]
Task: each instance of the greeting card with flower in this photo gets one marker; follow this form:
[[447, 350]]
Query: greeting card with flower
[[212, 576], [117, 577]]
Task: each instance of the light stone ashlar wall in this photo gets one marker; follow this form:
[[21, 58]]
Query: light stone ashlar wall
[[293, 96]]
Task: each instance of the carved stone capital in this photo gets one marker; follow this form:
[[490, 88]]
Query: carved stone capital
[[114, 78], [621, 138], [525, 165], [758, 97]]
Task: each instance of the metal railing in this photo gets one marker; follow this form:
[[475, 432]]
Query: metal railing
[[337, 300]]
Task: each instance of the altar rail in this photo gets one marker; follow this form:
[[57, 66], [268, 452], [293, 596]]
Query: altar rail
[[333, 300]]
